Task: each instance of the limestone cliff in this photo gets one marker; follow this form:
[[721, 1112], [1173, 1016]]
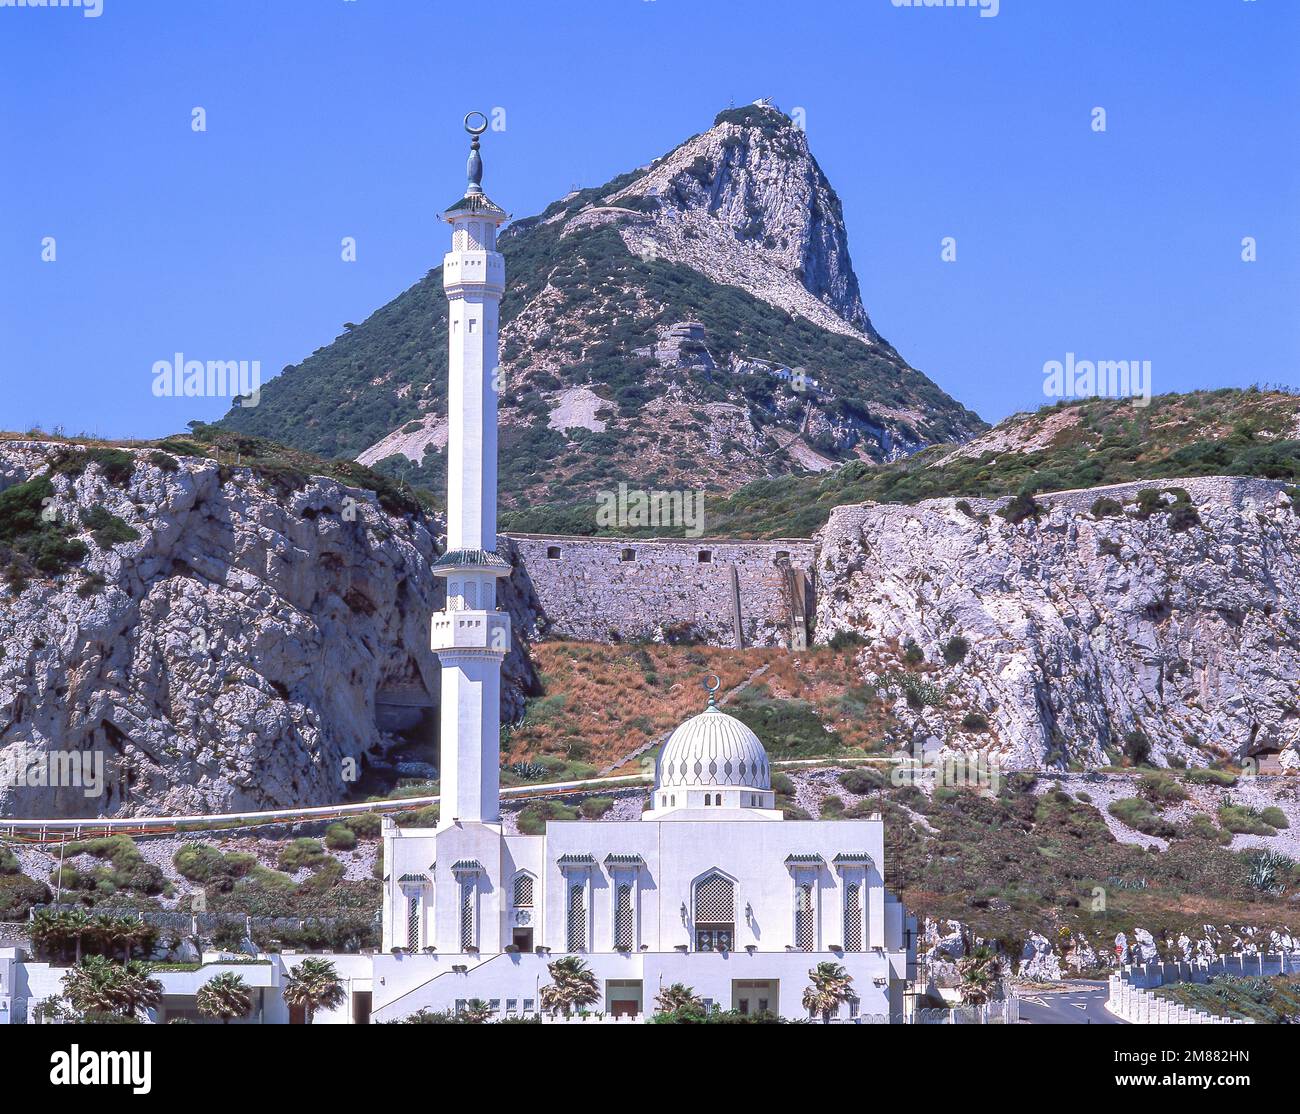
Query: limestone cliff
[[241, 647], [1104, 622]]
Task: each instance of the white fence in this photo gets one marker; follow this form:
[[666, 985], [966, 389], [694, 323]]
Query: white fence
[[1131, 997]]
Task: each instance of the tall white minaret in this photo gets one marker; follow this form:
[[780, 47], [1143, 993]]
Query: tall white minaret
[[470, 636]]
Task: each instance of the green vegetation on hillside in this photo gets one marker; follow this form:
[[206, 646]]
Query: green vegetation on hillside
[[1227, 432]]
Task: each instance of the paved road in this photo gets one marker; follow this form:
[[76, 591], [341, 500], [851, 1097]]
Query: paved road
[[1081, 1002]]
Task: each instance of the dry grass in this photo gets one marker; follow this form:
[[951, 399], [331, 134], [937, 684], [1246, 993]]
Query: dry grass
[[600, 703]]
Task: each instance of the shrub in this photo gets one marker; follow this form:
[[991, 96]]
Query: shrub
[[106, 528], [955, 650], [912, 653], [593, 808], [1203, 775], [846, 640], [974, 721], [1139, 815], [365, 825], [205, 864], [1274, 817], [1105, 507], [861, 781], [339, 837], [1243, 820], [1137, 746], [1019, 508], [18, 894], [533, 816], [1161, 789], [1202, 826], [301, 854], [781, 784], [832, 808]]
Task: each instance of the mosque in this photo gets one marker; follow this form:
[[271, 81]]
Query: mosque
[[711, 887]]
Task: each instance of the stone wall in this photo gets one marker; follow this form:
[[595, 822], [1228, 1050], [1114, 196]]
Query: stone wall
[[623, 589]]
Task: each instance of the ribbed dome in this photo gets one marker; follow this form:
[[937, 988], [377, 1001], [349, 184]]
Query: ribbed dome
[[714, 748]]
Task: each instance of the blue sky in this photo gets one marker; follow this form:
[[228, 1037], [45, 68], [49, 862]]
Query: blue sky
[[334, 118]]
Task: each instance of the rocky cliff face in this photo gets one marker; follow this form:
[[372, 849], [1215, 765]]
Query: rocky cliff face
[[746, 203], [248, 648], [1091, 630], [695, 323]]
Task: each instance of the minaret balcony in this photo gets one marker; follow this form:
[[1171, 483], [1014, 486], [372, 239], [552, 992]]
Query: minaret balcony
[[485, 631], [473, 269]]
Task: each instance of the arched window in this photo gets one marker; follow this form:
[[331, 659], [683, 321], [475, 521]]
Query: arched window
[[523, 891], [624, 918], [715, 913], [853, 917], [467, 934], [577, 917], [413, 923], [805, 913]]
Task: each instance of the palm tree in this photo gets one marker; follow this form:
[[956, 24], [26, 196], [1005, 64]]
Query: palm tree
[[476, 1012], [314, 984], [76, 924], [140, 990], [573, 985], [672, 999], [981, 972], [98, 985], [225, 996], [830, 988]]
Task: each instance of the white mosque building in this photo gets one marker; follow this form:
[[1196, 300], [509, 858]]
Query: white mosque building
[[711, 887]]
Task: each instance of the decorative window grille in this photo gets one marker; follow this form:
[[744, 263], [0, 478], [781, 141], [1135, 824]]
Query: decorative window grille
[[413, 923], [714, 900], [523, 891], [577, 917], [467, 914], [853, 917], [624, 916], [804, 920]]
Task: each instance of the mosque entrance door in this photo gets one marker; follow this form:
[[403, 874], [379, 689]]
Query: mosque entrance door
[[522, 938]]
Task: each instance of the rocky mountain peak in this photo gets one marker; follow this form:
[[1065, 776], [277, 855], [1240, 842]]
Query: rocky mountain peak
[[750, 188]]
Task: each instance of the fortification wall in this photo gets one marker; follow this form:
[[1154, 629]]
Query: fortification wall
[[626, 589]]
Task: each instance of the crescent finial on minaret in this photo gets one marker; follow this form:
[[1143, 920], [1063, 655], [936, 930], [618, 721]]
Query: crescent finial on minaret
[[474, 167]]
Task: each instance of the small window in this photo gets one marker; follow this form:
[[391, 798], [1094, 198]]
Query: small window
[[627, 555], [706, 557], [783, 555], [553, 552], [523, 895]]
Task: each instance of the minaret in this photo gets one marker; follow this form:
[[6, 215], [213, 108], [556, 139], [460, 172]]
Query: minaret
[[470, 636]]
